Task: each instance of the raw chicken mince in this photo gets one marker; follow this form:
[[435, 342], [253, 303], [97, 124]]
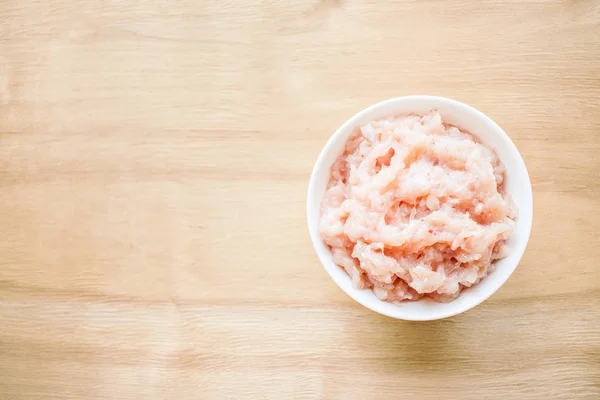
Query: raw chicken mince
[[416, 208]]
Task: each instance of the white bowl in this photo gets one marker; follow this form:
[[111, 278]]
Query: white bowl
[[516, 183]]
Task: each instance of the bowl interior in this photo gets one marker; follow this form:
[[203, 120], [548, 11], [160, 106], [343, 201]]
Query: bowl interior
[[516, 182]]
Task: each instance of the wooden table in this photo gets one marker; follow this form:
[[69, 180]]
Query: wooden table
[[154, 160]]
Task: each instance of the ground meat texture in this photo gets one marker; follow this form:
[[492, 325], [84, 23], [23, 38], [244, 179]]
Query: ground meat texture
[[414, 208]]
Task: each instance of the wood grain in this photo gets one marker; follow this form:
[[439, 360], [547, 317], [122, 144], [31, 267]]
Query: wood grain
[[154, 160]]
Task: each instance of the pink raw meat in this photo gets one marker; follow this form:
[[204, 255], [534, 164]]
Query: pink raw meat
[[416, 208]]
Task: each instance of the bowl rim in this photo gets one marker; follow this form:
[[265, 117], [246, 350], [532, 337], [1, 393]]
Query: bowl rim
[[318, 166]]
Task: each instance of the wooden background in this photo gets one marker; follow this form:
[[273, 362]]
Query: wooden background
[[154, 160]]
